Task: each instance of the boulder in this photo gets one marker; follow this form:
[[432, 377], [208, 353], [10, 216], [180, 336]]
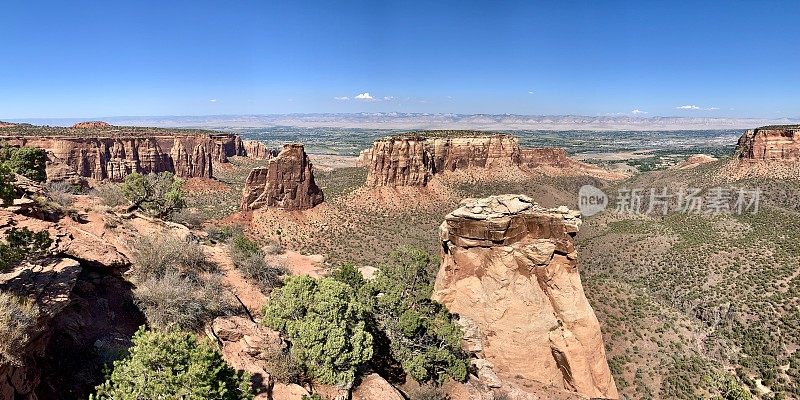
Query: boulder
[[510, 267], [291, 391], [243, 343], [374, 387]]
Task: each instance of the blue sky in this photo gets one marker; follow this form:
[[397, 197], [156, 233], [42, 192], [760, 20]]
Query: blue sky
[[111, 58]]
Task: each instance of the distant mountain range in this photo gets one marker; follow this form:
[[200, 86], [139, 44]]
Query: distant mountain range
[[394, 120]]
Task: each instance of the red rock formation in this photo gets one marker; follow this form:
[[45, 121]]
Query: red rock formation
[[256, 149], [226, 145], [770, 143], [549, 156], [91, 125], [450, 154], [509, 270], [399, 161], [287, 181], [413, 160], [112, 158]]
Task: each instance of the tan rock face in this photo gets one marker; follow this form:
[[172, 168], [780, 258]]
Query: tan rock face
[[770, 143], [114, 158], [413, 160], [256, 149], [287, 181], [243, 343], [509, 268]]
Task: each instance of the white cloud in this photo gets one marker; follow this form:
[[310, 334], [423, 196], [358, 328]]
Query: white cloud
[[388, 98], [343, 98], [530, 91], [638, 111], [712, 108], [213, 100], [364, 96], [688, 107]]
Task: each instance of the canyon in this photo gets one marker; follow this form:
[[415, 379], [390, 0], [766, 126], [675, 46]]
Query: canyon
[[509, 270]]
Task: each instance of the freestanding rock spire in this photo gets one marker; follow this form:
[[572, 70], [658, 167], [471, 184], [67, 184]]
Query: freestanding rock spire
[[287, 181], [509, 270]]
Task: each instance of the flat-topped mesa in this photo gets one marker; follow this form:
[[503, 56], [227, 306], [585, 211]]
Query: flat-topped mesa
[[91, 125], [778, 142], [287, 181], [509, 270], [413, 159]]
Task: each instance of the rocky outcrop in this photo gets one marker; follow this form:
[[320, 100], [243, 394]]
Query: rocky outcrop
[[412, 160], [112, 155], [400, 161], [552, 157], [287, 181], [509, 270], [244, 345], [258, 150], [91, 125], [113, 158], [781, 142], [86, 310], [694, 161]]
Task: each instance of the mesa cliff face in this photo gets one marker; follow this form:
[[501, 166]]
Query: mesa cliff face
[[113, 155], [770, 143], [287, 181], [413, 160], [112, 158], [509, 270]]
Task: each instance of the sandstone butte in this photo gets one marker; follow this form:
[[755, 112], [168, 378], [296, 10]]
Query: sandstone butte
[[100, 151], [413, 159], [778, 142], [287, 181], [509, 270]]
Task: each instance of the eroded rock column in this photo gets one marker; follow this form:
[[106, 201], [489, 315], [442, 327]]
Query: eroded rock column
[[509, 269]]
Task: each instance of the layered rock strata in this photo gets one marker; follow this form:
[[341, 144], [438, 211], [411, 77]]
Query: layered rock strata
[[412, 160], [287, 181], [114, 157], [781, 142], [509, 270]]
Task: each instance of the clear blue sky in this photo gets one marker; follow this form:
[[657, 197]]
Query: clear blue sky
[[111, 58]]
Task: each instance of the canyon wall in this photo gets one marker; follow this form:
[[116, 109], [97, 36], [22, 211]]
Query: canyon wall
[[412, 160], [114, 157], [770, 143], [509, 269], [287, 181]]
